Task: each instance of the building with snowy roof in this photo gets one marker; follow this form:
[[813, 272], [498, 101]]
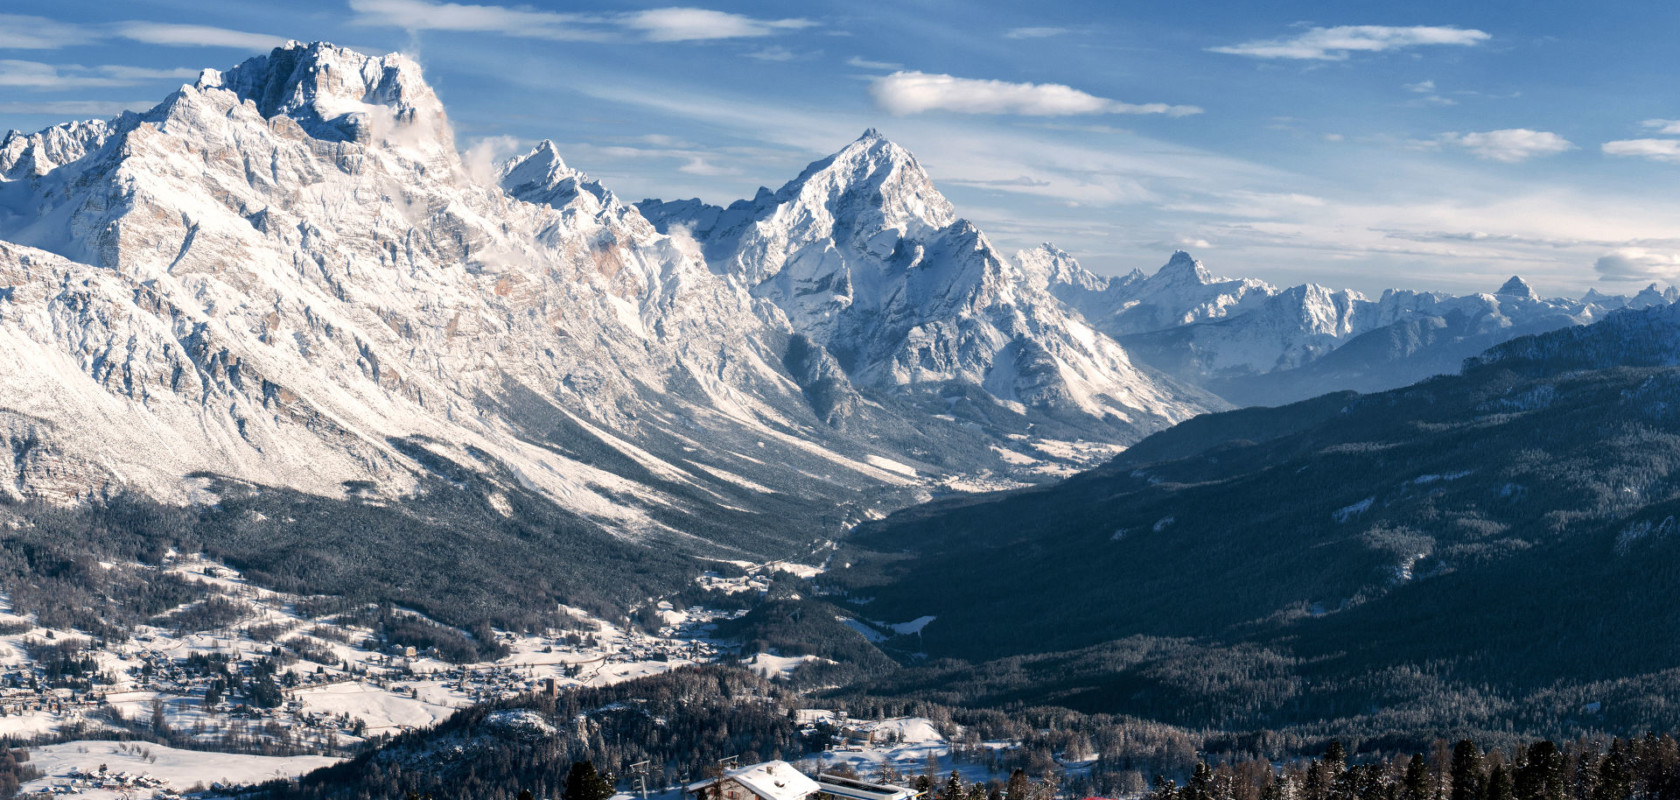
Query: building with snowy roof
[[771, 780], [840, 786]]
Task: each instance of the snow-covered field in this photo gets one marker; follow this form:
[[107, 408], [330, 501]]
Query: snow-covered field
[[904, 744], [179, 770]]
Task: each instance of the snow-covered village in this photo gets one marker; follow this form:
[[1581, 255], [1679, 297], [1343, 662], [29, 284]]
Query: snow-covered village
[[267, 692]]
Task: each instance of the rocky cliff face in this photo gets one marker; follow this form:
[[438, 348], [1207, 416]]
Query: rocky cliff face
[[284, 275], [869, 261]]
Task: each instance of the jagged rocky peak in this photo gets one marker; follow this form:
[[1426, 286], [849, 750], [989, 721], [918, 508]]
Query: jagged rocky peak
[[1596, 297], [36, 154], [1184, 268], [339, 94], [874, 173], [1050, 266], [1652, 296], [1518, 288], [541, 176]]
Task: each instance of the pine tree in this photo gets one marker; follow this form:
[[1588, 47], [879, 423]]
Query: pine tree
[[1615, 775], [1200, 786], [1415, 786], [953, 787], [584, 783], [1017, 789], [1335, 757], [1317, 784], [1541, 777], [1466, 771], [1498, 784]]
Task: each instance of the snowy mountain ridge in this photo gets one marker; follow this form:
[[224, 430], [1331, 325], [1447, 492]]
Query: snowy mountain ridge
[[1252, 342], [284, 275], [870, 262]]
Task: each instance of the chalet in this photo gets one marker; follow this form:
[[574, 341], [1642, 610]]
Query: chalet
[[771, 780]]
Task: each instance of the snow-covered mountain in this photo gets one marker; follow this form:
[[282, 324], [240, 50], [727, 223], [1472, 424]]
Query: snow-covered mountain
[[867, 260], [285, 275], [1254, 343]]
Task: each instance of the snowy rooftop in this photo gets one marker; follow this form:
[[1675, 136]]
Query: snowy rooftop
[[841, 786], [771, 780]]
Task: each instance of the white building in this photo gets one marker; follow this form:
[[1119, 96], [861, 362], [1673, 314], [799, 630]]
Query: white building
[[854, 789], [771, 780]]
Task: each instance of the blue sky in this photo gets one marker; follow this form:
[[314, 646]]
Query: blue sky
[[1420, 144]]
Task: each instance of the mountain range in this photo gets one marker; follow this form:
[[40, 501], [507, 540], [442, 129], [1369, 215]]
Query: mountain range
[[282, 294], [282, 268], [1253, 343]]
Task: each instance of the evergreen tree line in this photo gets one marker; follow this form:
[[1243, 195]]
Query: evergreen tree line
[[1646, 768]]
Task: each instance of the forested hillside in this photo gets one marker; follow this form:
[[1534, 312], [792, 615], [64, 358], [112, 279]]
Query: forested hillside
[[1479, 550]]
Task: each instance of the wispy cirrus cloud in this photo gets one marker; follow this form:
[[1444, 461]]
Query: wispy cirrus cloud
[[674, 24], [76, 108], [1035, 32], [1428, 95], [916, 92], [196, 36], [35, 75], [773, 53], [22, 32], [696, 24], [863, 63], [422, 15], [1511, 145], [1341, 42], [1666, 150], [19, 32]]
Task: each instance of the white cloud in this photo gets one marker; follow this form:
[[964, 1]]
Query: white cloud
[[20, 32], [1133, 190], [39, 33], [1654, 149], [1421, 87], [422, 15], [777, 53], [35, 75], [1511, 145], [1638, 264], [692, 24], [675, 24], [1666, 127], [1018, 181], [1338, 43], [483, 157], [17, 74], [864, 63], [77, 108], [916, 92], [196, 36], [148, 73], [700, 166], [1035, 33]]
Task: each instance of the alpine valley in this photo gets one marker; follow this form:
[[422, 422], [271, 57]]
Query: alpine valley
[[281, 372]]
